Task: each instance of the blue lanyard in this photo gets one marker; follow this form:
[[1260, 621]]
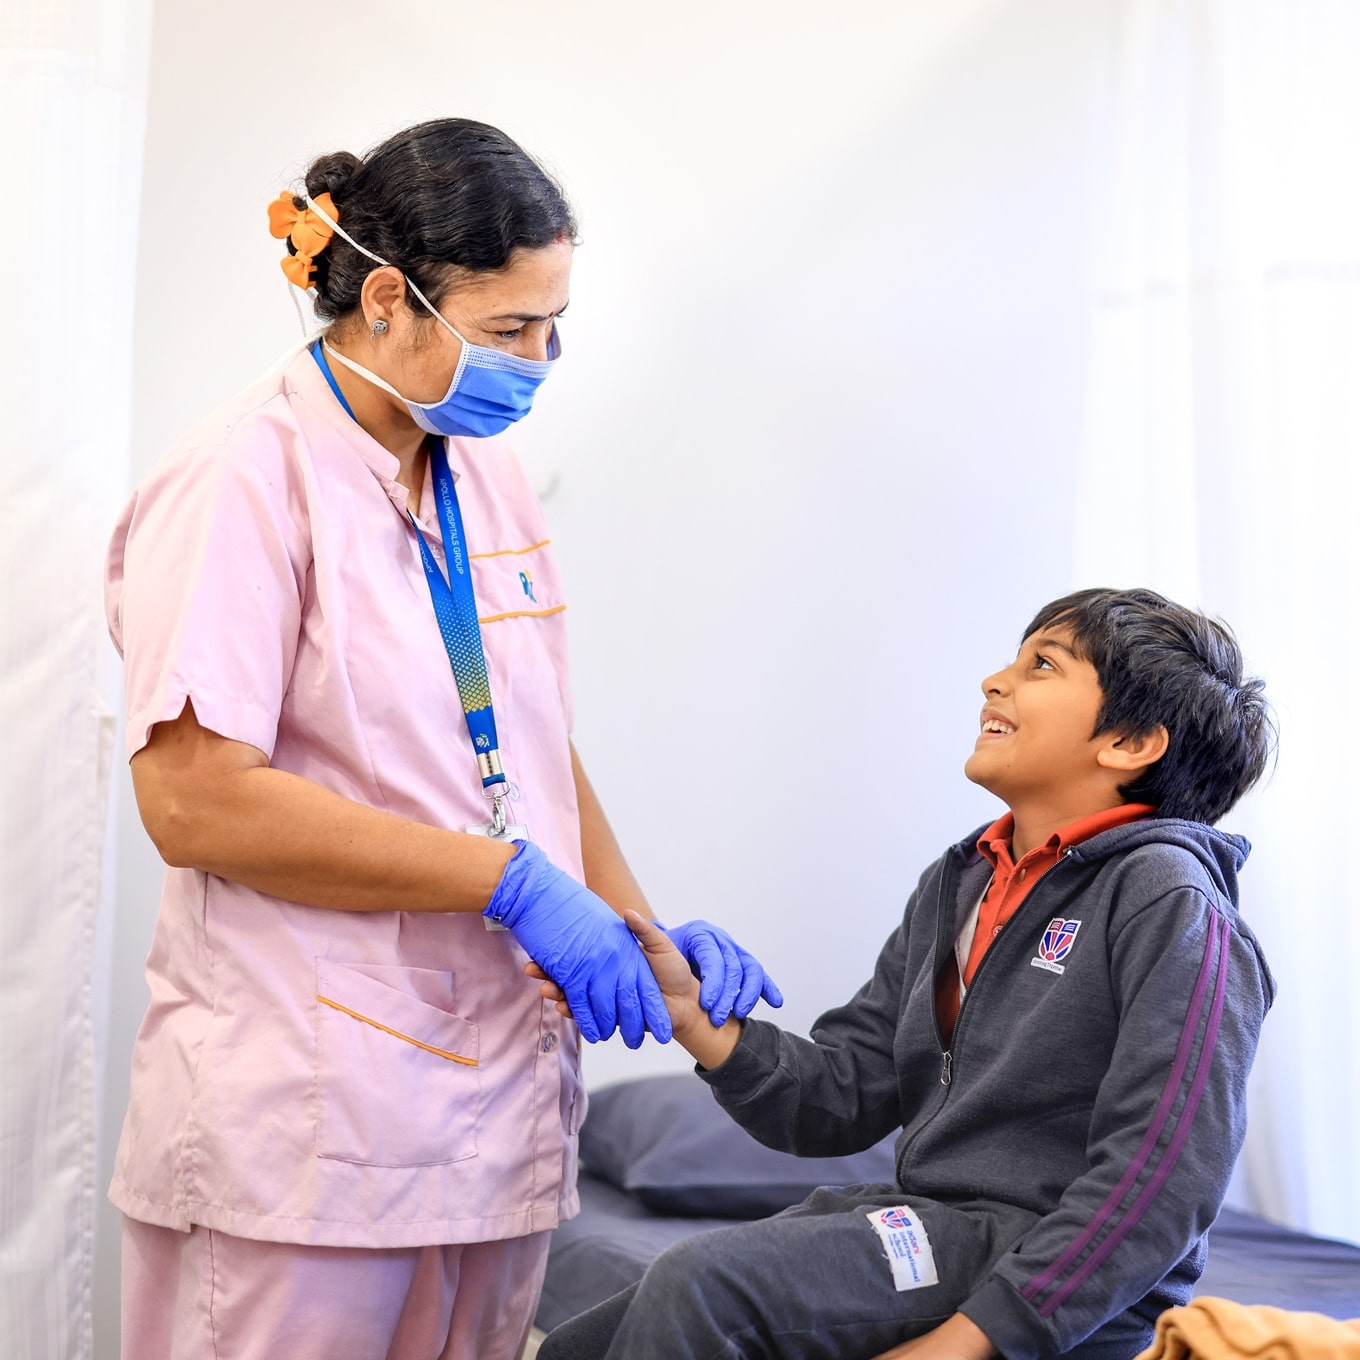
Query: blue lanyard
[[319, 354], [455, 604]]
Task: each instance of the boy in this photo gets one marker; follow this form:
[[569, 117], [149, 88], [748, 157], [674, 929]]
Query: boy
[[1061, 1026]]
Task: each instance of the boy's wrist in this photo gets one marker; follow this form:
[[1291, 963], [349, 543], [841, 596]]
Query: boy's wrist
[[709, 1045]]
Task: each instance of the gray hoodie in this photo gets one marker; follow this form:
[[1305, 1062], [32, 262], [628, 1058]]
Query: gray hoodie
[[1097, 1075]]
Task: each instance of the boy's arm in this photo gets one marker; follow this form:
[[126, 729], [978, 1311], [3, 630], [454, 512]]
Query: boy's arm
[[838, 1091], [833, 1094], [1191, 993]]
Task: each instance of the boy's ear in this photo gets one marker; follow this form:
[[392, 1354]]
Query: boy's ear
[[1130, 754]]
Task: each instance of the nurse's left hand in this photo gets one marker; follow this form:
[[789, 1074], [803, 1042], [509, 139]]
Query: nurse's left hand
[[731, 980]]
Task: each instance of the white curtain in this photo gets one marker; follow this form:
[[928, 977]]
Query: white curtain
[[1222, 465], [72, 99]]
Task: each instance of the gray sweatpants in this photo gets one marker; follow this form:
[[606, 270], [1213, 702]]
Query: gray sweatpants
[[812, 1283]]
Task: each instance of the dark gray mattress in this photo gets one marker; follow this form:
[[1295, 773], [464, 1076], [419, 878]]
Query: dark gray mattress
[[615, 1237]]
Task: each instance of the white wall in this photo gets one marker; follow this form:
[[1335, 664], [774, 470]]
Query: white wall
[[809, 450]]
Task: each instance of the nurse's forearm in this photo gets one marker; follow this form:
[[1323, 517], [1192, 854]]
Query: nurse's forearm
[[607, 872], [286, 836], [216, 805]]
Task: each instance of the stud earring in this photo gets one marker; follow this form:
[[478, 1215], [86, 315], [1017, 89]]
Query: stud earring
[[379, 328]]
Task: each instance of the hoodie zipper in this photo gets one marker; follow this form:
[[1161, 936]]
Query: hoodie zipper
[[947, 1066], [946, 892], [945, 896]]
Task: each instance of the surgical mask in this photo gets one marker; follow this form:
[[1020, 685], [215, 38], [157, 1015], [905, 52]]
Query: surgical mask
[[489, 390]]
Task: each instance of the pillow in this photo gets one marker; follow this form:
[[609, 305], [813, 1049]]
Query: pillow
[[667, 1141]]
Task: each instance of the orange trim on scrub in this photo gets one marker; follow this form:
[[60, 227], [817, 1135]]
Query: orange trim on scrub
[[511, 552], [524, 614], [397, 1034]]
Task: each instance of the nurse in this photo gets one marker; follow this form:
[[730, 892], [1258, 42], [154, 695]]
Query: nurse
[[353, 1119]]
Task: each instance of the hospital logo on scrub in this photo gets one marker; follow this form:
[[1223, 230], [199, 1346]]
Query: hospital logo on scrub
[[1056, 945], [527, 584]]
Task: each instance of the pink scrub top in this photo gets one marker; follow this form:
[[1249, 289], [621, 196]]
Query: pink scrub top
[[356, 1079]]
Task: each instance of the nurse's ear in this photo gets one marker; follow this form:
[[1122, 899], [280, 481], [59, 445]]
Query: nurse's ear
[[382, 296]]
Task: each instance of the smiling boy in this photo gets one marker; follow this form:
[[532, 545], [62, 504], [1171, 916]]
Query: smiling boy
[[1061, 1028]]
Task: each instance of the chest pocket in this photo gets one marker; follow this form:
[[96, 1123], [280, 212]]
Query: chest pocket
[[517, 583], [522, 614]]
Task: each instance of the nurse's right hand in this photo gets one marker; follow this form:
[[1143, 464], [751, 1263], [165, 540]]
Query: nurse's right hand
[[583, 946]]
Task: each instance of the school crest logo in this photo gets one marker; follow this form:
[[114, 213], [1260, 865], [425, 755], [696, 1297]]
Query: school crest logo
[[906, 1245], [1056, 944]]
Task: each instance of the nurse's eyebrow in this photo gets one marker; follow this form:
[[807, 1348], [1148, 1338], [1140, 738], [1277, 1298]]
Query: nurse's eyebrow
[[520, 316]]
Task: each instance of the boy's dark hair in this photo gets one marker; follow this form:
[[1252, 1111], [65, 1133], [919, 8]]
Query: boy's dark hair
[[1162, 664]]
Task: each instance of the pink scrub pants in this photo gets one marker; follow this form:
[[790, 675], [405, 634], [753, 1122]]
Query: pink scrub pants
[[204, 1295]]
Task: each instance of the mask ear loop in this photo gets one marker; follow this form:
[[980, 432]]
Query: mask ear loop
[[465, 345], [307, 336], [360, 370], [340, 231]]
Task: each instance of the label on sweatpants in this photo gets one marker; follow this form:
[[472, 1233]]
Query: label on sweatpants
[[908, 1248]]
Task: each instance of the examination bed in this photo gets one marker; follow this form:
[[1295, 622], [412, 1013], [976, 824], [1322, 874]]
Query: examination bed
[[660, 1160]]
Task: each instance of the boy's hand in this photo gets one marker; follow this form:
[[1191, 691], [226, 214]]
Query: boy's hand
[[709, 1047], [957, 1338]]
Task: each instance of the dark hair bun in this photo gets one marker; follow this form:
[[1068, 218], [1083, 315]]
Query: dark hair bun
[[442, 196], [330, 174]]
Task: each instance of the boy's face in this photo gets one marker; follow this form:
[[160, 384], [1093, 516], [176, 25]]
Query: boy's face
[[1036, 743]]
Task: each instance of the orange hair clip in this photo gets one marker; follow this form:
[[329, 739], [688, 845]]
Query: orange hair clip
[[308, 233]]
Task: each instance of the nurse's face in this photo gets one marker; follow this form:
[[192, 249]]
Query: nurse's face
[[513, 309]]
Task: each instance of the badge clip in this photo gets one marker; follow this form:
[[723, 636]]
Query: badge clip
[[500, 828]]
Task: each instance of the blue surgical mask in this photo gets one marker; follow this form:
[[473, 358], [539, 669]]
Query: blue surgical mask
[[489, 390]]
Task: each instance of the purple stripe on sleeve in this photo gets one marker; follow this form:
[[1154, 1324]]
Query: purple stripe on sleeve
[[1168, 1162], [1173, 1081]]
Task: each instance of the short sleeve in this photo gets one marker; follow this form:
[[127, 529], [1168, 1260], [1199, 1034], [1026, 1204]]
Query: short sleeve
[[203, 590]]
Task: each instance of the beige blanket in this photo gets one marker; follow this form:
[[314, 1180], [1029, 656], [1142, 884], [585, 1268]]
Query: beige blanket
[[1219, 1329]]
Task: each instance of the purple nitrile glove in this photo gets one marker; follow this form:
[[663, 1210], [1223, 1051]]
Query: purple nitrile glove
[[583, 946], [731, 980]]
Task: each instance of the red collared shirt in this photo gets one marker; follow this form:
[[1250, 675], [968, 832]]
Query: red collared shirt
[[1011, 883]]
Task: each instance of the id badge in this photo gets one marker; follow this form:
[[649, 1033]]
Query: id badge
[[511, 833]]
